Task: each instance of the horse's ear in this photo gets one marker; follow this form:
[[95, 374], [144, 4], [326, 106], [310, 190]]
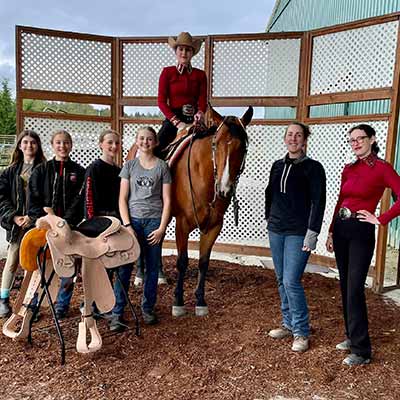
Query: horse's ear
[[217, 119], [248, 115]]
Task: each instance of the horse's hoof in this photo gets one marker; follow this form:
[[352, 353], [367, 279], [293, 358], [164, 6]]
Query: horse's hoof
[[201, 311], [178, 311]]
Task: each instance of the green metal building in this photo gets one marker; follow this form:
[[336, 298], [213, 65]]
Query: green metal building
[[304, 15]]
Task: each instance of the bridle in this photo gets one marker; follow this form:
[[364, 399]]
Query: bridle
[[211, 205]]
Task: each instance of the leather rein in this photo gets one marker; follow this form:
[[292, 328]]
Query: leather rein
[[215, 175]]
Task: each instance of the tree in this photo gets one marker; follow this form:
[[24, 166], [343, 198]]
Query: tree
[[7, 110]]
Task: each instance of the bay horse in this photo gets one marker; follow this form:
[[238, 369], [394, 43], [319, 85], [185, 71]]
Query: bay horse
[[204, 181]]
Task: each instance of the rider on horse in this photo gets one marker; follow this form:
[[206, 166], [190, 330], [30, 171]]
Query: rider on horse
[[182, 90]]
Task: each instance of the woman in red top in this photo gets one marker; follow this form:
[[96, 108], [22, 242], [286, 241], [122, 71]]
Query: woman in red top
[[352, 234], [182, 90]]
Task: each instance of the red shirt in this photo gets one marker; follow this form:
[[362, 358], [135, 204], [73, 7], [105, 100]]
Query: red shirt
[[176, 89], [362, 186]]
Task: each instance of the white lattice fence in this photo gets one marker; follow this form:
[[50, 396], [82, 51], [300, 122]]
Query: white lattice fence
[[65, 64], [256, 68], [354, 59], [84, 134]]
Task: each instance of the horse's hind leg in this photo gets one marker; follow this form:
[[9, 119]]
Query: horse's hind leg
[[182, 235], [206, 244]]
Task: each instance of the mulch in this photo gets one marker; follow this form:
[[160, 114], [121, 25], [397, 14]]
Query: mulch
[[226, 355]]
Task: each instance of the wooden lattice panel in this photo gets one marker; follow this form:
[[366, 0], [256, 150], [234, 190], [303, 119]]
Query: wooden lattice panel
[[328, 144], [142, 64], [256, 68], [355, 59], [65, 64], [85, 136]]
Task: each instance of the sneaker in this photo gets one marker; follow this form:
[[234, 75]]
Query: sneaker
[[162, 280], [355, 359], [5, 309], [345, 345], [300, 344], [117, 323], [149, 318], [280, 333], [61, 313]]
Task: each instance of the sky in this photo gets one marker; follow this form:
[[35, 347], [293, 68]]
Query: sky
[[128, 18]]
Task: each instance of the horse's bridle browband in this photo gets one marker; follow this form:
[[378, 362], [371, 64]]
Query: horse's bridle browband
[[215, 175]]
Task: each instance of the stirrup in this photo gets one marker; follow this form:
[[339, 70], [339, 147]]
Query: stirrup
[[95, 338], [23, 311]]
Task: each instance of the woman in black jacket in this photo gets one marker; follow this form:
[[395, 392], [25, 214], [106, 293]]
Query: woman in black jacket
[[295, 204], [13, 206]]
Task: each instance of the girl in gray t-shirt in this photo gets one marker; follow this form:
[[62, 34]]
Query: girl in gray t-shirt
[[144, 205]]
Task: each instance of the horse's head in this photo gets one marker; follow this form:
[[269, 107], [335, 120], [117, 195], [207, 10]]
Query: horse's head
[[229, 150]]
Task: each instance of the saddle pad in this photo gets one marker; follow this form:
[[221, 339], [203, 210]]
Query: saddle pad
[[31, 243], [179, 150]]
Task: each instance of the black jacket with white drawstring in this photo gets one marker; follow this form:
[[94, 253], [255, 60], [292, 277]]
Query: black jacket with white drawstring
[[295, 198]]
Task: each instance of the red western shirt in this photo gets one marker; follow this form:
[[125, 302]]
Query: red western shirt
[[179, 86], [362, 186]]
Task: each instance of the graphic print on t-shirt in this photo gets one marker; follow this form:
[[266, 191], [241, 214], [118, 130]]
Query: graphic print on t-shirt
[[144, 181]]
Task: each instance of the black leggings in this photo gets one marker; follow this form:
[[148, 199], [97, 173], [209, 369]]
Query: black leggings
[[354, 243]]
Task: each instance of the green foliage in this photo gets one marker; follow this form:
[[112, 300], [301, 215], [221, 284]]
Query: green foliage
[[67, 108], [7, 110]]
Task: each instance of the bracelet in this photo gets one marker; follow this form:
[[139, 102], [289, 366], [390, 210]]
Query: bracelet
[[128, 224]]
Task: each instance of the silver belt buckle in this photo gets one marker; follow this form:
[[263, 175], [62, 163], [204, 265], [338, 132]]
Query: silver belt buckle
[[344, 213]]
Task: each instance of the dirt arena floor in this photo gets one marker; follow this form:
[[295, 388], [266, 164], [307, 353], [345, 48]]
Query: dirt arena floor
[[226, 355]]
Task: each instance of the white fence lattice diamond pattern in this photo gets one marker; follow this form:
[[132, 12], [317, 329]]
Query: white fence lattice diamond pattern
[[354, 59], [256, 68]]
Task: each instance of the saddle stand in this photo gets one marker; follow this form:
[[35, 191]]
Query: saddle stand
[[98, 251]]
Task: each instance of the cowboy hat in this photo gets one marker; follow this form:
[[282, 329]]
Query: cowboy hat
[[185, 39]]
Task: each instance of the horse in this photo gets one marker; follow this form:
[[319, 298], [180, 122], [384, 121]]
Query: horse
[[204, 181], [214, 161]]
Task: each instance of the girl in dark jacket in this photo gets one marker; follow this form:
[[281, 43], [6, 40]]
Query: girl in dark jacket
[[13, 206], [57, 184]]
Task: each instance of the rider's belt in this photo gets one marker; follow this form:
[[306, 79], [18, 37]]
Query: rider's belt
[[345, 213], [185, 113]]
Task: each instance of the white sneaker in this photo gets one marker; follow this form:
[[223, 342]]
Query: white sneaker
[[280, 333], [300, 344], [162, 280], [345, 345]]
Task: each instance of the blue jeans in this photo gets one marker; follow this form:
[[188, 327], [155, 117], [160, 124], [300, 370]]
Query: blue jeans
[[151, 256], [124, 272], [64, 294], [290, 261]]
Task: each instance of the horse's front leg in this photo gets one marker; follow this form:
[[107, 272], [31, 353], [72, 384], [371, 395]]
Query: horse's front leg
[[206, 244], [181, 235]]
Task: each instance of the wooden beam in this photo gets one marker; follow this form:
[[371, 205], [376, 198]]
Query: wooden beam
[[347, 97], [347, 119], [65, 97], [64, 34], [356, 24], [249, 251], [304, 80]]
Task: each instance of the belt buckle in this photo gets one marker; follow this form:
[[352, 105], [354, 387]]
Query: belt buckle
[[344, 213]]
